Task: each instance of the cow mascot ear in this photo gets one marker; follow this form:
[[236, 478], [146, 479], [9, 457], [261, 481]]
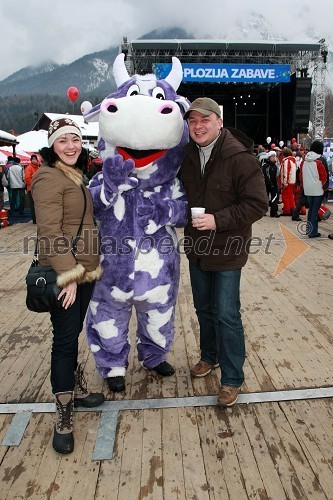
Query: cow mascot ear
[[120, 73], [175, 76]]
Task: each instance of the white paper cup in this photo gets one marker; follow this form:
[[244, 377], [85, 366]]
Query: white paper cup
[[197, 211]]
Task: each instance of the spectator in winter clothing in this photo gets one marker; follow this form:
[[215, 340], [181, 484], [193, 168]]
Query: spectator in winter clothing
[[270, 172], [313, 177], [318, 147], [5, 178], [300, 198], [30, 170], [16, 181], [262, 155], [2, 191], [288, 181]]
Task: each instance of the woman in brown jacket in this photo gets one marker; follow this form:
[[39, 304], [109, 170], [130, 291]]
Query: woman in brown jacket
[[59, 197]]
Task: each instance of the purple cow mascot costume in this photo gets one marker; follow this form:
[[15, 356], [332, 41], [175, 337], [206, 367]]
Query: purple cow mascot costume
[[138, 202]]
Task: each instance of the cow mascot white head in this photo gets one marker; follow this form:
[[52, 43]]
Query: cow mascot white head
[[138, 202]]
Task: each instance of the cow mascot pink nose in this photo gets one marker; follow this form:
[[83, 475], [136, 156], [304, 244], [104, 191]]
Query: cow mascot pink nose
[[138, 202]]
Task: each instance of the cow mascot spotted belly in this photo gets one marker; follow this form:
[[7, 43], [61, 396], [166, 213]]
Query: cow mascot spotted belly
[[138, 202]]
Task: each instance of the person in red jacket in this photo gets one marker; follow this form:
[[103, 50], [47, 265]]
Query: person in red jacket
[[288, 181], [29, 171]]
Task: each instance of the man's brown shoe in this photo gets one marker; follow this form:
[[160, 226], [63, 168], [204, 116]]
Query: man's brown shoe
[[228, 396], [202, 368]]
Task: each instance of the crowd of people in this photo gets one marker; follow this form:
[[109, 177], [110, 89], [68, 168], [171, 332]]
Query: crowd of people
[[17, 180], [298, 180], [220, 174]]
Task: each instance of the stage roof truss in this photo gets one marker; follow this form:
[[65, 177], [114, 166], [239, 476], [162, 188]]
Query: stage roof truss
[[143, 61], [303, 58]]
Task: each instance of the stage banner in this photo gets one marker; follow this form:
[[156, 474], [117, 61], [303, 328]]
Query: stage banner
[[228, 72]]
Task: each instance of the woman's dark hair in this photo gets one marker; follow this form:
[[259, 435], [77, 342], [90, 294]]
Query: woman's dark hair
[[50, 158]]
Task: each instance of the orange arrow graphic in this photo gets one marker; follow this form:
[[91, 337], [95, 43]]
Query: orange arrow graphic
[[295, 247]]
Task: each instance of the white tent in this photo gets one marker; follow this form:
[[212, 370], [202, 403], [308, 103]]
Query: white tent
[[6, 151], [33, 141]]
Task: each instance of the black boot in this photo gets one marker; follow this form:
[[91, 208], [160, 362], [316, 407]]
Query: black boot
[[116, 384], [63, 440], [164, 369], [81, 395]]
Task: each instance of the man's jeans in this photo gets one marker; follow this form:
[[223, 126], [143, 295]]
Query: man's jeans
[[217, 304], [314, 206], [17, 200]]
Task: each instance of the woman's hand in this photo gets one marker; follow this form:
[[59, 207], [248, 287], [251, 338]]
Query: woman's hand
[[69, 294]]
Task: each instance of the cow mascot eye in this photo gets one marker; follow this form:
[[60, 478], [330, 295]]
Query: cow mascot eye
[[133, 90], [158, 93]]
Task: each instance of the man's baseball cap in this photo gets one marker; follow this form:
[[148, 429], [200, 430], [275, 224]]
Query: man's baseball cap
[[205, 106]]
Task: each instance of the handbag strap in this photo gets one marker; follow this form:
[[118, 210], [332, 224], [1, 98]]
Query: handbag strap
[[79, 231]]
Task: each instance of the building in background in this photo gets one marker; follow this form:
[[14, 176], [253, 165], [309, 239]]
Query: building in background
[[89, 130]]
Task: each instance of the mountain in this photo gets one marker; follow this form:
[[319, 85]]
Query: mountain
[[29, 92], [170, 33], [91, 74], [30, 71]]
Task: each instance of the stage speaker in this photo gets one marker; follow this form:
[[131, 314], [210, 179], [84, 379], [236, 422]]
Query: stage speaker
[[302, 103]]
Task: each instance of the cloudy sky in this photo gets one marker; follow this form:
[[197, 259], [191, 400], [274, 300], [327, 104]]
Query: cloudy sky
[[33, 31]]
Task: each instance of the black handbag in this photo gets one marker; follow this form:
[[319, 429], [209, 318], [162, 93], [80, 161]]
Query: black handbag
[[41, 281], [42, 288]]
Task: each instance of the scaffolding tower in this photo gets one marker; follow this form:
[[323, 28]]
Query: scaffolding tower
[[319, 90]]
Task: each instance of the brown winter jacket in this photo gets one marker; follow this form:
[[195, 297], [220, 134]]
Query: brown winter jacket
[[233, 189], [59, 205]]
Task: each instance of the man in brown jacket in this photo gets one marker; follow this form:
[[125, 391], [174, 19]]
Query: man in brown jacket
[[220, 174]]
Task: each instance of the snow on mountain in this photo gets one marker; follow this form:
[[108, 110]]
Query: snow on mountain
[[93, 72]]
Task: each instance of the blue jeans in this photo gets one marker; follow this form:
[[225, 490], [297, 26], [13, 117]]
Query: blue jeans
[[312, 222], [217, 304], [17, 200]]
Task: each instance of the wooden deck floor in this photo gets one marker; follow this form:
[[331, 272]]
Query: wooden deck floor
[[273, 450]]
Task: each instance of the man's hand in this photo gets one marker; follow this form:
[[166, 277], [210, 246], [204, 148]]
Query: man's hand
[[204, 222]]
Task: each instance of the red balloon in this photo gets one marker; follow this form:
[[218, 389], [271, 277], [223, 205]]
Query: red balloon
[[273, 146], [73, 93], [293, 139]]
